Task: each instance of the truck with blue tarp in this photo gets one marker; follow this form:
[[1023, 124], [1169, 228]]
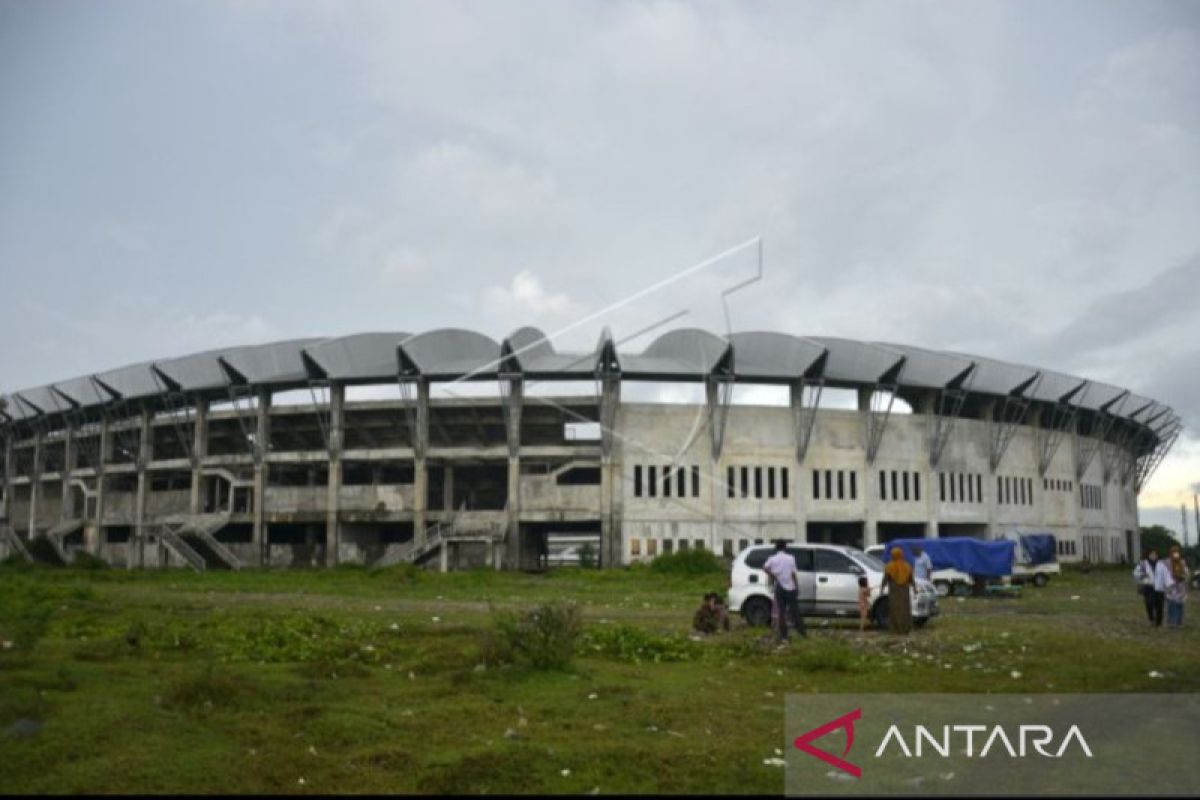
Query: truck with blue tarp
[[1013, 558]]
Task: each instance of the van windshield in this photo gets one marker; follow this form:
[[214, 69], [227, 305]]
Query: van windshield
[[871, 561]]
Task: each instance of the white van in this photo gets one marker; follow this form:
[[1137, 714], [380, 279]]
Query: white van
[[828, 584], [946, 581]]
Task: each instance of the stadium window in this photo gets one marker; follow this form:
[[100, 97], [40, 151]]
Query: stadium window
[[853, 485], [917, 486], [999, 490], [904, 481], [695, 481], [882, 485], [681, 482], [828, 484], [729, 483], [962, 494], [1020, 491], [758, 484], [635, 547], [652, 547], [942, 487], [895, 486], [727, 548], [953, 488], [745, 481], [743, 544], [668, 473], [783, 482], [816, 475], [668, 546], [637, 480], [978, 488], [970, 498], [683, 545], [770, 483], [698, 544], [841, 485], [652, 480]]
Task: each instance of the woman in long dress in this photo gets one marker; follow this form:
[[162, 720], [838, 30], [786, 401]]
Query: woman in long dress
[[898, 584]]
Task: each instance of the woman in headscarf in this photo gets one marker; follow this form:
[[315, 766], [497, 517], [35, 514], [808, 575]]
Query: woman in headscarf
[[1176, 592], [898, 585]]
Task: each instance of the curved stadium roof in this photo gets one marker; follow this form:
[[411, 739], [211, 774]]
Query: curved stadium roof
[[685, 354]]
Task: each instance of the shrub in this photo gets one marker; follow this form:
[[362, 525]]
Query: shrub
[[587, 556], [542, 637], [24, 619], [205, 691], [85, 560], [688, 562], [630, 643]]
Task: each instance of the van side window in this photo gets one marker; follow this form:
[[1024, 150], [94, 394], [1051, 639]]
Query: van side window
[[756, 558], [804, 558], [830, 561]]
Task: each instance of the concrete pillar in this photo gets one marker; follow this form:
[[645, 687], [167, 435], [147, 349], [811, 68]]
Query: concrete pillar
[[333, 525], [70, 457], [9, 473], [513, 534], [420, 468], [444, 556], [93, 534], [448, 488], [262, 446], [199, 451], [611, 534], [145, 455], [35, 482]]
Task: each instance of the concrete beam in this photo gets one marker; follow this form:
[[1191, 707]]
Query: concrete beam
[[262, 446]]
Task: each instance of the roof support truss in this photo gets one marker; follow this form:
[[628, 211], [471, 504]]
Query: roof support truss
[[512, 391], [318, 389], [948, 408], [1003, 427], [806, 398], [719, 396], [1149, 461], [883, 397], [1086, 447], [1050, 436]]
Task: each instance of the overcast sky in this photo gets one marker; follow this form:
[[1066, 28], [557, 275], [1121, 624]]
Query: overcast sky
[[1017, 180]]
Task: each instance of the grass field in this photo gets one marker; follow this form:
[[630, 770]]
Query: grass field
[[352, 680]]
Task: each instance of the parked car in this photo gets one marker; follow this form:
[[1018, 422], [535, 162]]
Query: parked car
[[947, 581], [828, 584]]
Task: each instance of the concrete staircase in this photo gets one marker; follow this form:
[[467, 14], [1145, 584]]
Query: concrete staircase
[[191, 537], [11, 538]]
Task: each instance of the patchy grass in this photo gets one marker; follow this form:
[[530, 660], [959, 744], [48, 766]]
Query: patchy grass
[[356, 680]]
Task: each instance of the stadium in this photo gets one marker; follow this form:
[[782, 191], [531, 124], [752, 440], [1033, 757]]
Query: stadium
[[453, 450]]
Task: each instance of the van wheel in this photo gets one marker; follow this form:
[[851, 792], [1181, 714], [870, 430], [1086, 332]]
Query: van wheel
[[879, 613], [920, 621], [943, 588], [961, 589], [757, 612], [1040, 580]]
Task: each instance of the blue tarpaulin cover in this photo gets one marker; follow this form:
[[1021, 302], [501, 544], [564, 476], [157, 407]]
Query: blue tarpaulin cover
[[1040, 548], [989, 559]]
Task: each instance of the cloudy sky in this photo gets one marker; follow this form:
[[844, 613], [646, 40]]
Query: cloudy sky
[[1018, 180]]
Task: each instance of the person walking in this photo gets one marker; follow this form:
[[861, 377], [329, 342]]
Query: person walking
[[922, 564], [782, 575], [1162, 580], [898, 585], [1144, 573], [1176, 591]]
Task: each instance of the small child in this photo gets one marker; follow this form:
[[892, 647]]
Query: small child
[[864, 602]]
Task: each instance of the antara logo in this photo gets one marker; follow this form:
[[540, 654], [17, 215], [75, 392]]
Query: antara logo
[[804, 742], [1039, 738]]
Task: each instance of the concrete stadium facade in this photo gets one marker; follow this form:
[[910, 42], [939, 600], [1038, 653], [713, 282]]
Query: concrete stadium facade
[[193, 461]]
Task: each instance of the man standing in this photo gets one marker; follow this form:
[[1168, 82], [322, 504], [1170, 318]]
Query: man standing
[[1144, 573], [923, 564], [781, 574]]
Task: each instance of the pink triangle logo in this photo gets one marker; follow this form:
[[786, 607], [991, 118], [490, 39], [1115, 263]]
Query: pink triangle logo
[[804, 742]]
